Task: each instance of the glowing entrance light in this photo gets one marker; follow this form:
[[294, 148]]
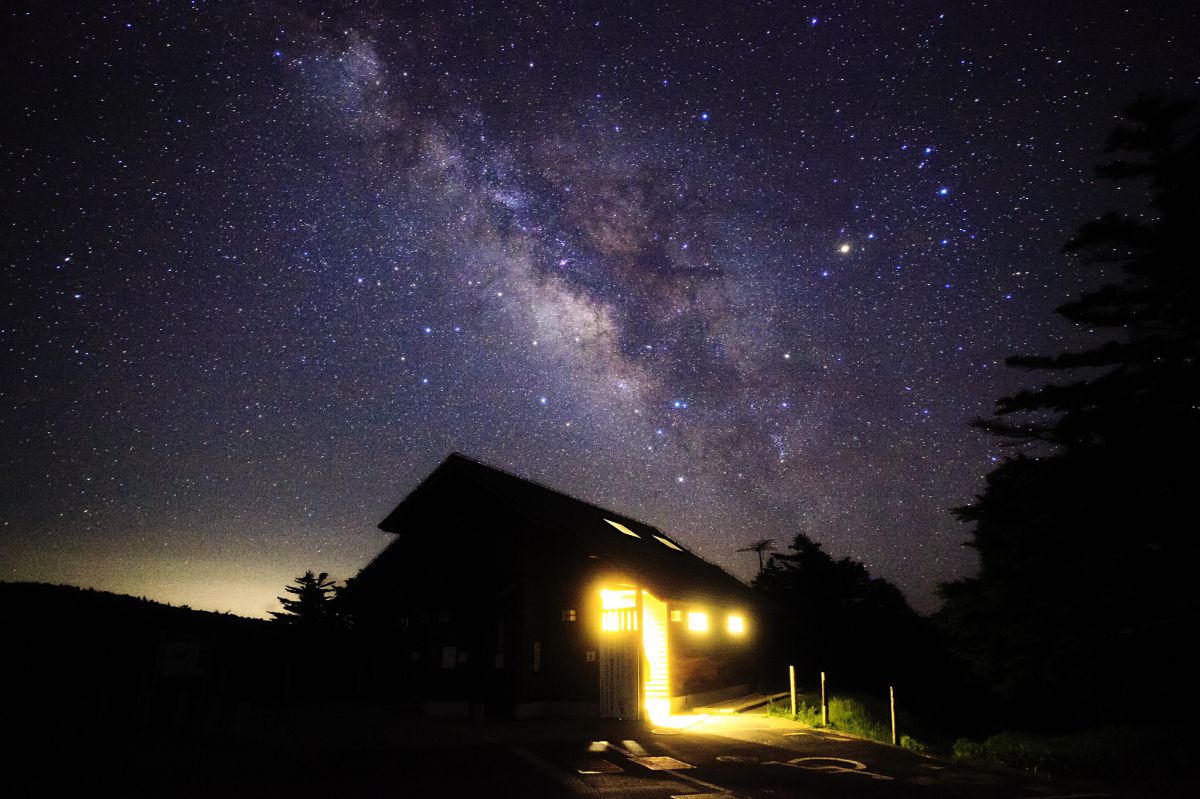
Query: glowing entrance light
[[634, 656], [736, 625], [618, 610], [697, 621], [656, 684]]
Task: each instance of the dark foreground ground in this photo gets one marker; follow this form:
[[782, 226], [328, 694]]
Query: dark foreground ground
[[330, 752]]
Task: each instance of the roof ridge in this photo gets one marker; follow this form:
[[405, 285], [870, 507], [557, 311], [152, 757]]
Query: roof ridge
[[554, 490]]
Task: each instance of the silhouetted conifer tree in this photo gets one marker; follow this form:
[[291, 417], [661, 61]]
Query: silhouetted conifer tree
[[838, 618], [311, 603], [1086, 536]]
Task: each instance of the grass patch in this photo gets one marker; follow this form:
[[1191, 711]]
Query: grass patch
[[1121, 753], [858, 715]]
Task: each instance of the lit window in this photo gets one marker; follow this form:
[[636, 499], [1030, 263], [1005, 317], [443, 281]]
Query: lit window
[[622, 528], [677, 615], [669, 543], [568, 615], [618, 610], [698, 621], [735, 624]]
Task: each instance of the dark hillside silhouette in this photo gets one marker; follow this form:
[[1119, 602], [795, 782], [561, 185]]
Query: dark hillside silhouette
[[94, 657], [1086, 534]]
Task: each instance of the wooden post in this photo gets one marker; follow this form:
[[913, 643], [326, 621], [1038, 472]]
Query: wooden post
[[824, 702], [892, 701], [792, 683]]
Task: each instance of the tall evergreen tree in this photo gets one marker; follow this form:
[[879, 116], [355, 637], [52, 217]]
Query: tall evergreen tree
[[837, 618], [311, 603], [1085, 539]]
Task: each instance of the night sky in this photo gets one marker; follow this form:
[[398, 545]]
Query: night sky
[[738, 270]]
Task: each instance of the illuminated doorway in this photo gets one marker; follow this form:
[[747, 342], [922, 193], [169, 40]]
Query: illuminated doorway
[[634, 676]]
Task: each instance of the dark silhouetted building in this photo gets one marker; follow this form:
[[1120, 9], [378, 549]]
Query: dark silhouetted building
[[503, 596]]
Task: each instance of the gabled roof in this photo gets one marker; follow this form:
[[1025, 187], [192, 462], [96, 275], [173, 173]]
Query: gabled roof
[[630, 547]]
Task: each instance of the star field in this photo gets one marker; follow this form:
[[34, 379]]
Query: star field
[[738, 274]]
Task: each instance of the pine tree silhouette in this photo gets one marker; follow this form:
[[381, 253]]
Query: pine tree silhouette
[[311, 601], [1085, 537]]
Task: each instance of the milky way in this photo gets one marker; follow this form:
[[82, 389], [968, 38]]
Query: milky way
[[739, 271]]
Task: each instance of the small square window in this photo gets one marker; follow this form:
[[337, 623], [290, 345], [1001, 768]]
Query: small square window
[[568, 614], [677, 615], [697, 621]]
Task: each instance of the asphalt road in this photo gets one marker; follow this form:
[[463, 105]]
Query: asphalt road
[[378, 753], [753, 756]]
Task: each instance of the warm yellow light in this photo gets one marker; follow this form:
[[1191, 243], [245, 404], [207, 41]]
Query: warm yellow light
[[618, 610], [656, 686], [669, 543], [618, 599], [844, 249], [735, 624], [698, 621], [622, 528]]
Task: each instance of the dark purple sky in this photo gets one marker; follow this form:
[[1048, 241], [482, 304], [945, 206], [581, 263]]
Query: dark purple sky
[[736, 269]]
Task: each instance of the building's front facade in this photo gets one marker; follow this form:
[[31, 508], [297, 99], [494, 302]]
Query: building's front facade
[[503, 596]]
